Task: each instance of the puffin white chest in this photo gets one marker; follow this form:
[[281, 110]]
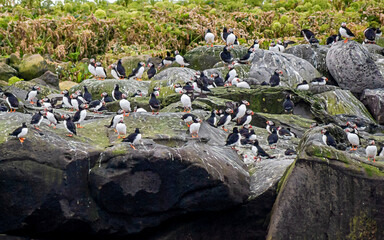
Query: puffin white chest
[[343, 32], [140, 72], [186, 101], [32, 95], [100, 72], [125, 105], [75, 103], [231, 39], [180, 59], [325, 140], [23, 133], [51, 118], [83, 115], [137, 139], [371, 151], [121, 128], [353, 139], [115, 74], [241, 111], [194, 128]]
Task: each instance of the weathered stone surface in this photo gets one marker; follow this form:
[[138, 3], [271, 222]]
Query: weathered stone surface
[[6, 72], [353, 68], [20, 89], [130, 63], [373, 99], [14, 61], [32, 67], [51, 79], [169, 76], [65, 85]]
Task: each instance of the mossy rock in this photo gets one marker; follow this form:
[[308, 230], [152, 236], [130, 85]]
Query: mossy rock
[[6, 72], [20, 89], [65, 85], [130, 63], [140, 102], [32, 67]]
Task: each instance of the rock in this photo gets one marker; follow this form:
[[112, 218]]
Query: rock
[[169, 76], [65, 85], [202, 58], [131, 62], [295, 69], [96, 87], [20, 90], [32, 67], [6, 72], [374, 49], [353, 68], [373, 99], [51, 79], [329, 194], [14, 61]]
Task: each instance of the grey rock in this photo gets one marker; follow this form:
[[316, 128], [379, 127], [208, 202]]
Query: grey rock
[[14, 61], [32, 66], [6, 72], [373, 99], [51, 79]]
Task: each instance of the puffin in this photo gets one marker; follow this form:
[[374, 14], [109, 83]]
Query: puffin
[[105, 97], [97, 105], [255, 45], [37, 119], [156, 91], [12, 101], [66, 99], [32, 94], [332, 39], [259, 151], [307, 34], [240, 111], [178, 88], [231, 38], [234, 138], [20, 132], [274, 47], [116, 119], [313, 41], [120, 69], [114, 72], [319, 81], [345, 32], [139, 110], [80, 97], [288, 105], [218, 81], [151, 71], [303, 86], [137, 73], [168, 60], [272, 139], [100, 71], [133, 138], [250, 137], [270, 126], [51, 118], [371, 151], [245, 129], [195, 127], [92, 67], [75, 102], [212, 120], [188, 118], [180, 59], [125, 105], [246, 119], [225, 119], [226, 56], [188, 87], [281, 46], [87, 96], [370, 35], [186, 101], [247, 58], [80, 115], [241, 83], [154, 103], [209, 37], [328, 139], [138, 93], [284, 133], [121, 129], [353, 139], [116, 94], [224, 34], [232, 73], [289, 152], [275, 78], [69, 125], [46, 103]]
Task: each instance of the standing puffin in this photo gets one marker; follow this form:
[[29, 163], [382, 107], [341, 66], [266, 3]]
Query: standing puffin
[[133, 138], [121, 129], [125, 105], [195, 127], [87, 96], [240, 111], [32, 94], [75, 102], [154, 103], [178, 88], [151, 71], [226, 56], [307, 34], [224, 34], [304, 86], [231, 38], [100, 71], [66, 99], [288, 105], [270, 126], [168, 60], [114, 72], [106, 98], [212, 120], [92, 67], [209, 37], [275, 78], [272, 139], [180, 59], [120, 69], [247, 58], [273, 47], [51, 118], [353, 139], [231, 74], [37, 119], [370, 35], [345, 32], [234, 138], [246, 119], [69, 125], [188, 118], [20, 132], [255, 45], [137, 73], [116, 119], [225, 119], [259, 152], [371, 151], [12, 101], [97, 105], [116, 94], [328, 139], [80, 115], [186, 101], [138, 93], [218, 81], [333, 39]]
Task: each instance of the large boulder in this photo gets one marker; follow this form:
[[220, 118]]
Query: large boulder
[[169, 76], [353, 68], [130, 63], [32, 66], [51, 79], [373, 99], [65, 85], [21, 88], [6, 72]]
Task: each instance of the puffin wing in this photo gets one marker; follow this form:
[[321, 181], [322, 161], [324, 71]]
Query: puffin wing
[[16, 132], [134, 72], [130, 138]]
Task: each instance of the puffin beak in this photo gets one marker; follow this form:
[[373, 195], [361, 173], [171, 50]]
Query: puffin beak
[[250, 125], [281, 72], [247, 103], [212, 75], [181, 92], [326, 79], [252, 113], [62, 92], [70, 96], [104, 103], [101, 95], [62, 116]]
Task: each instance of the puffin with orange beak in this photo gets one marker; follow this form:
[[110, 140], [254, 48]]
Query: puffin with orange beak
[[31, 95], [20, 132]]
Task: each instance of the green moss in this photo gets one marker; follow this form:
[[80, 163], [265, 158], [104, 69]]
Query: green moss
[[285, 176], [372, 171], [362, 227], [13, 80]]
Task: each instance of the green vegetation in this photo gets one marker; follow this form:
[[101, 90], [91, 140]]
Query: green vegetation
[[13, 80]]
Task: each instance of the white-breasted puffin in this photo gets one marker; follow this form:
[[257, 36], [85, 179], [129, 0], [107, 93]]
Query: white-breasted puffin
[[328, 139], [212, 120], [209, 37], [186, 101], [195, 127], [12, 101], [224, 34], [275, 78], [156, 91], [288, 105], [371, 151], [106, 98], [231, 74], [188, 118], [31, 95], [66, 99], [46, 103], [97, 105], [80, 96], [114, 72], [69, 125], [180, 59], [353, 139], [240, 111], [87, 96], [246, 119], [241, 83], [234, 138], [259, 152], [92, 67], [247, 58], [151, 71], [333, 39], [255, 45], [137, 73], [272, 139], [51, 117], [37, 118], [270, 126], [133, 138], [231, 38], [225, 119], [138, 93], [125, 105], [168, 60], [345, 32], [80, 115], [178, 88], [154, 103], [116, 94], [307, 34], [120, 69], [284, 133], [319, 81], [116, 119], [75, 102], [139, 109], [226, 56], [100, 71], [121, 129], [304, 86], [20, 132], [273, 47]]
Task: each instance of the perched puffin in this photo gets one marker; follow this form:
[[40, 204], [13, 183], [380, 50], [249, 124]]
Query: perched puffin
[[288, 105], [371, 151], [345, 32], [116, 119], [168, 60], [114, 72], [224, 34], [307, 34], [353, 139], [259, 151], [139, 110], [313, 41], [37, 119], [284, 133], [225, 119], [275, 78], [125, 105], [151, 71], [105, 97], [188, 118], [250, 137], [241, 83], [231, 38], [12, 101], [156, 91], [189, 87], [234, 138], [66, 99], [180, 59], [245, 129], [32, 94], [75, 102], [133, 138], [100, 71], [270, 126], [274, 47], [219, 82], [121, 129], [246, 119], [46, 103], [116, 94], [240, 111], [69, 125], [80, 97], [231, 74], [247, 58], [209, 37], [328, 139], [319, 81], [51, 118], [304, 86], [120, 70], [80, 115], [92, 67], [212, 120], [195, 127], [333, 39], [370, 35], [255, 45], [138, 93], [225, 55], [20, 132], [97, 105], [289, 152], [154, 103], [137, 73], [178, 88], [280, 46], [87, 96], [272, 139], [186, 101]]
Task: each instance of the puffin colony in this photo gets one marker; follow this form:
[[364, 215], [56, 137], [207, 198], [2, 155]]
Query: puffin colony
[[200, 86]]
